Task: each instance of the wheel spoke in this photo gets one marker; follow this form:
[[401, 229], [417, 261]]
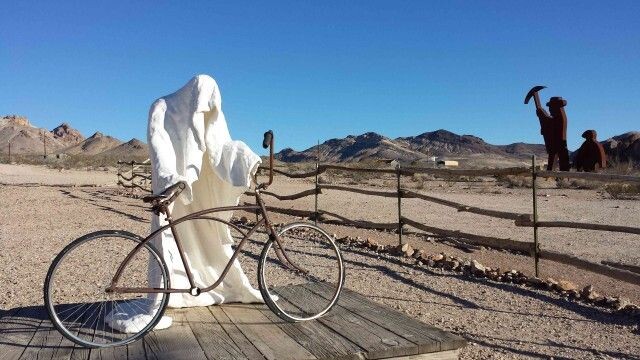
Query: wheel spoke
[[75, 293], [284, 286]]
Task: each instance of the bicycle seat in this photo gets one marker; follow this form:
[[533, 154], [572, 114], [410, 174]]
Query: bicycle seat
[[154, 198]]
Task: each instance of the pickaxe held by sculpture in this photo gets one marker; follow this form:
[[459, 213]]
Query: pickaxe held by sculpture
[[534, 92]]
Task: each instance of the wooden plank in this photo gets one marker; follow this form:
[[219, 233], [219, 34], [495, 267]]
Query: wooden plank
[[467, 172], [247, 348], [17, 329], [411, 329], [66, 348], [354, 169], [272, 342], [38, 343], [104, 333], [295, 196], [392, 194], [320, 340], [442, 355], [462, 207], [377, 342], [177, 342], [87, 319], [135, 350], [214, 341]]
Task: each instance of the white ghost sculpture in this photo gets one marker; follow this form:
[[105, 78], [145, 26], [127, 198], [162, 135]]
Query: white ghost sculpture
[[189, 141]]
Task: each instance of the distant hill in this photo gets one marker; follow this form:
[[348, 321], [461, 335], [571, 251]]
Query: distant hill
[[624, 148], [420, 148], [67, 135], [26, 138], [93, 145], [133, 149]]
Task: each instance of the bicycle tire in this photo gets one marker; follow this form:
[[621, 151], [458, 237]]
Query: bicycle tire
[[54, 309], [292, 294]]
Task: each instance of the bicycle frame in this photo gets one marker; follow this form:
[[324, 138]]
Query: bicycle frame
[[204, 215]]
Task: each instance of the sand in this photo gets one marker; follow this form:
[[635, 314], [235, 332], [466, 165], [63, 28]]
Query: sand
[[499, 320]]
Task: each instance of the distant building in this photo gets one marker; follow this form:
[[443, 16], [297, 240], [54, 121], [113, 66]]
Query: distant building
[[448, 163]]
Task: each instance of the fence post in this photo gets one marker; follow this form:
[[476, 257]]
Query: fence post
[[399, 204], [9, 152], [536, 246], [131, 188], [315, 214]]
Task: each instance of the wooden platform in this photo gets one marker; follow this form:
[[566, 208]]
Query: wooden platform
[[355, 329]]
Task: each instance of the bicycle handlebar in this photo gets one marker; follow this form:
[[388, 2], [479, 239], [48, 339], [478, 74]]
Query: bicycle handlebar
[[268, 142]]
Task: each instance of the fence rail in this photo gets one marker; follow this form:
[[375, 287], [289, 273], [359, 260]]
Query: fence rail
[[134, 175], [521, 220]]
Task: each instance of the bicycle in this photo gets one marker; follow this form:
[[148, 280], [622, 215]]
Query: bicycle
[[300, 272]]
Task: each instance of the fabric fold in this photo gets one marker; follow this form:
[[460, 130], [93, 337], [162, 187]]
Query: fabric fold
[[189, 141]]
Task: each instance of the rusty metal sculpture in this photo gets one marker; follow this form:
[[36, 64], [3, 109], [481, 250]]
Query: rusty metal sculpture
[[591, 153], [553, 127]]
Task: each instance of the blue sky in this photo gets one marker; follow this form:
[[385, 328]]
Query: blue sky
[[321, 69]]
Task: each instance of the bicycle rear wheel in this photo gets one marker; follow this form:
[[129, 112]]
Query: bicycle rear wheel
[[75, 296], [303, 279]]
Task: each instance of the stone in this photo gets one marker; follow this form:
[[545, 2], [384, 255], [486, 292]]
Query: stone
[[244, 220], [437, 257], [564, 285], [551, 283], [535, 282], [477, 268], [620, 303]]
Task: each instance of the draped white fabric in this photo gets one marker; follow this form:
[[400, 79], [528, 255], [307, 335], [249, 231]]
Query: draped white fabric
[[189, 141]]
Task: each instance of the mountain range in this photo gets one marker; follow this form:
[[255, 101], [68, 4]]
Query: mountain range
[[471, 150], [63, 139], [412, 149], [442, 144]]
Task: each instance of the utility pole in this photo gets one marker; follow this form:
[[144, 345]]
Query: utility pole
[[44, 143]]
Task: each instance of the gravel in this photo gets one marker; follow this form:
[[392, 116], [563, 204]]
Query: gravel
[[499, 320]]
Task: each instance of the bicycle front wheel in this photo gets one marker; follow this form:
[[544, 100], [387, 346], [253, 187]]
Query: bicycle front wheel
[[75, 293], [301, 278]]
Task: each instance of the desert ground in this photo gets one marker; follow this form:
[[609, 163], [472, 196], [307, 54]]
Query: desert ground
[[43, 210]]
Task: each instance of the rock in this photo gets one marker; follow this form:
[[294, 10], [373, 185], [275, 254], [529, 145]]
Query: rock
[[589, 294], [535, 282], [620, 303], [477, 268], [437, 257], [564, 285], [418, 254], [244, 220], [451, 264]]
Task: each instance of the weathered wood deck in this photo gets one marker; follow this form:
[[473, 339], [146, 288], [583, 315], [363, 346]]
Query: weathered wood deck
[[355, 329]]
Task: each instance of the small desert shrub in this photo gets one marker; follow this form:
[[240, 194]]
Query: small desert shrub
[[514, 181], [623, 191], [577, 184]]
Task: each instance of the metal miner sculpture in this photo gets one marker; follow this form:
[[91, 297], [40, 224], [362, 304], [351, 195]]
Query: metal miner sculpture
[[553, 127], [590, 154]]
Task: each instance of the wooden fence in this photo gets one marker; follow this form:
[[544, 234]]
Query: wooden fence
[[134, 175], [533, 249]]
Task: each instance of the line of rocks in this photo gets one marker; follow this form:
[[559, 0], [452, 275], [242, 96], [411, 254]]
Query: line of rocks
[[566, 289]]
